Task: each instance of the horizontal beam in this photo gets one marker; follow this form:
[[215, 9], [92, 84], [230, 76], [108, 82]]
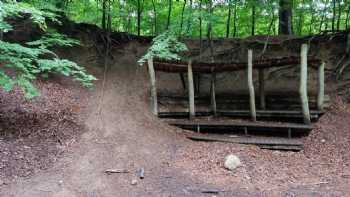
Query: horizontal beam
[[254, 126], [177, 66], [262, 142], [244, 113]]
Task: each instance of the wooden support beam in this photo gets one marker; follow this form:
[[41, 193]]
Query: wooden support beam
[[262, 89], [183, 81], [303, 84], [251, 85], [320, 84], [190, 90], [153, 87], [213, 95]]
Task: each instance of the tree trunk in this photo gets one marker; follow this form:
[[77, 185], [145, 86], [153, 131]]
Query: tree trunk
[[301, 19], [347, 18], [323, 15], [334, 15], [285, 17], [253, 20], [189, 19], [200, 29], [155, 18], [104, 8], [169, 13], [311, 21], [138, 17], [182, 15], [210, 32], [235, 20], [228, 23], [339, 16]]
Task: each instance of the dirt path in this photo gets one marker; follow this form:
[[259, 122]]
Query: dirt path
[[121, 134]]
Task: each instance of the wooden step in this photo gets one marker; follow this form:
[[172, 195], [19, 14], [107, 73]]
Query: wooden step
[[228, 124], [314, 114], [272, 143]]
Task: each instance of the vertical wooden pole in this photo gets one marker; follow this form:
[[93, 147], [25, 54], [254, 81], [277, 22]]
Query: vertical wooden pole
[[190, 90], [212, 92], [262, 89], [320, 92], [183, 81], [251, 85], [303, 84], [153, 86]]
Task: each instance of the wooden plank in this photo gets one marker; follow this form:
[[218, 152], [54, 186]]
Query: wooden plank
[[190, 90], [303, 84], [264, 142], [153, 86], [262, 88], [251, 85], [320, 85], [230, 124], [244, 114], [212, 92]]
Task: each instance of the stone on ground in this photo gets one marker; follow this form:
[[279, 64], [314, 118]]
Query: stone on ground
[[232, 162]]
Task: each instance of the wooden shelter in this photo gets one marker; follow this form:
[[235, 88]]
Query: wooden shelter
[[192, 67]]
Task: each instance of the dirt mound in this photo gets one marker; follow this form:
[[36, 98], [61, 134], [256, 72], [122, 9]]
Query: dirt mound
[[35, 132]]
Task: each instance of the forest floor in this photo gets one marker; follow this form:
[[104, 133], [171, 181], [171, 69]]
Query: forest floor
[[111, 127]]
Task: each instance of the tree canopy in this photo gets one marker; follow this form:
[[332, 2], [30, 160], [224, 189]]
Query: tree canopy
[[229, 18]]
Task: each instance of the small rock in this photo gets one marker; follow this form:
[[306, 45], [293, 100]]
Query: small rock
[[323, 140], [232, 162], [134, 182]]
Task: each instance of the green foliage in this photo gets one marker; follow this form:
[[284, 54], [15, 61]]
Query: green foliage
[[164, 46], [22, 63], [309, 16]]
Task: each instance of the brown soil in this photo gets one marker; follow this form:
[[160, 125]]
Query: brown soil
[[35, 133], [322, 169], [121, 133]]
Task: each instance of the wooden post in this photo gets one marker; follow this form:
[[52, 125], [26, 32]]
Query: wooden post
[[320, 93], [251, 85], [153, 86], [183, 81], [303, 84], [190, 90], [262, 89], [212, 92]]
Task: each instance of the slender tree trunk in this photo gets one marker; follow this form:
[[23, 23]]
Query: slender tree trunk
[[200, 28], [189, 19], [138, 17], [301, 19], [104, 9], [323, 16], [235, 20], [210, 32], [228, 23], [169, 13], [339, 16], [286, 17], [311, 21], [347, 17], [334, 15], [155, 18], [253, 20], [182, 15]]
